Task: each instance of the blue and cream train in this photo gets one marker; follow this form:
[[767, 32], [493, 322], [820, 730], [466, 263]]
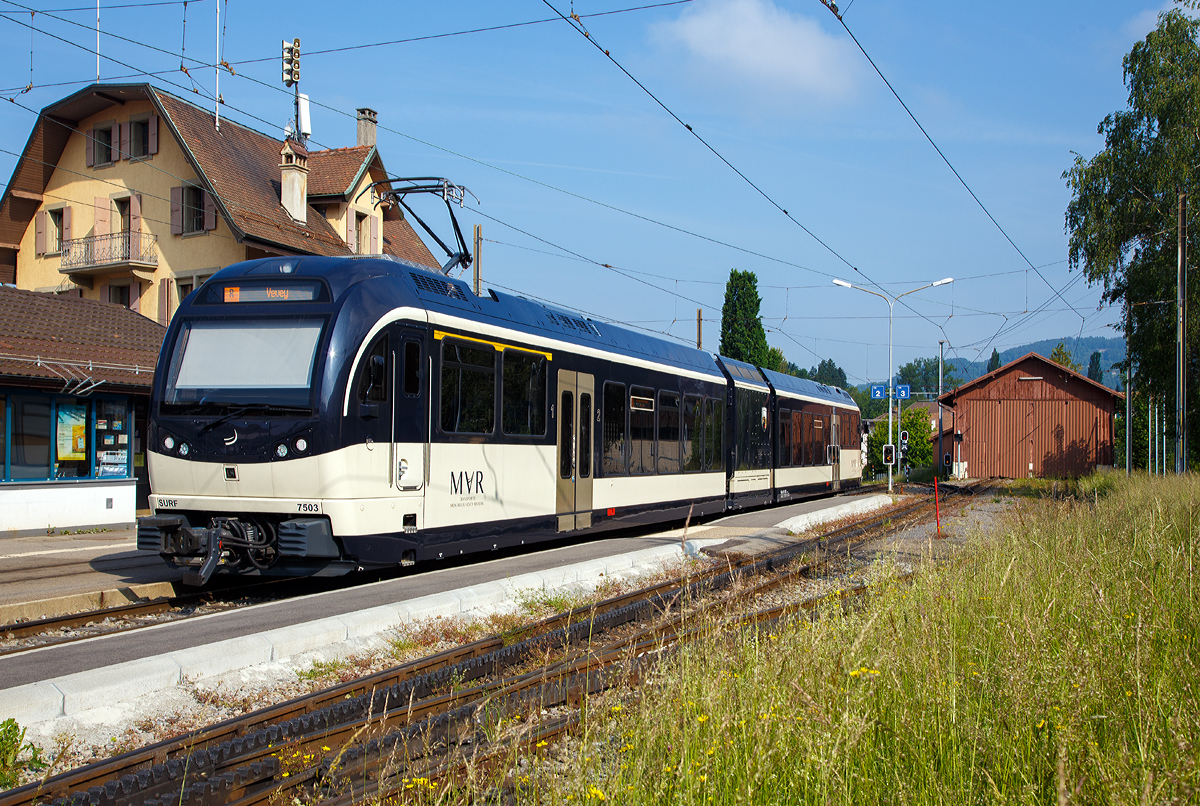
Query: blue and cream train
[[320, 415]]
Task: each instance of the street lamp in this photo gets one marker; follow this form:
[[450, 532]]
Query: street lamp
[[891, 301]]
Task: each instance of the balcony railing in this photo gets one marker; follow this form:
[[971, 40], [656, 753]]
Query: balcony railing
[[119, 248]]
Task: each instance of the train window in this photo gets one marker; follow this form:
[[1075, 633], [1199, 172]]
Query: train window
[[613, 462], [468, 389], [820, 443], [753, 430], [807, 440], [524, 401], [641, 430], [693, 440], [668, 432], [785, 437], [412, 367], [714, 434], [585, 435], [566, 420], [373, 372], [797, 446]]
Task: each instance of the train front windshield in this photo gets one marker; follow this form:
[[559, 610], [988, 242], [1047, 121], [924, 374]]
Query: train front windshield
[[223, 363]]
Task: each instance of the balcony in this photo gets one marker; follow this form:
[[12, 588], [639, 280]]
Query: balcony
[[105, 253]]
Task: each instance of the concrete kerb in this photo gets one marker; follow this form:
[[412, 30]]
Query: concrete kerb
[[112, 684], [32, 702], [71, 694], [804, 522]]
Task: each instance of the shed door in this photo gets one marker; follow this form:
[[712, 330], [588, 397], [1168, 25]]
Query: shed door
[[576, 413]]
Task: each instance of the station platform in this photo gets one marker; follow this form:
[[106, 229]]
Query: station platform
[[67, 679]]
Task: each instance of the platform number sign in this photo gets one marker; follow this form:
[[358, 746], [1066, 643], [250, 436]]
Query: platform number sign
[[904, 391], [877, 391]]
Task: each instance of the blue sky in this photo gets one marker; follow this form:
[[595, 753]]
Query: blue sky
[[532, 118]]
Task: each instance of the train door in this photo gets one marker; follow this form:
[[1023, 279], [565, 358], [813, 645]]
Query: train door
[[835, 451], [576, 407], [411, 413]]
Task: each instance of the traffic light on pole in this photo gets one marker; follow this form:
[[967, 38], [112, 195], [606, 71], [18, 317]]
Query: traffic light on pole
[[291, 62], [889, 454]]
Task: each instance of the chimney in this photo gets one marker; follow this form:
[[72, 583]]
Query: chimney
[[293, 166], [367, 119]]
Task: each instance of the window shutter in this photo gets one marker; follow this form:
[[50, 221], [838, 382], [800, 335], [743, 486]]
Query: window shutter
[[135, 295], [66, 225], [177, 211], [124, 127], [374, 235], [135, 230], [152, 128], [101, 216], [39, 233], [351, 221], [164, 301], [210, 212], [89, 146]]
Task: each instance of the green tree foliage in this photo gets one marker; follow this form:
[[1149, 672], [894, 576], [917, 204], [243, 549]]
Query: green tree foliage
[[920, 446], [775, 360], [1062, 356], [994, 362], [1122, 215], [1095, 373], [829, 374], [868, 408], [922, 376], [742, 334]]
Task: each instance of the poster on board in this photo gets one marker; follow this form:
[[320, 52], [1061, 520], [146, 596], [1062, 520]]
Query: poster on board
[[72, 432]]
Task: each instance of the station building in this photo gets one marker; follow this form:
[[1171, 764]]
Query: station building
[[75, 378], [1030, 418]]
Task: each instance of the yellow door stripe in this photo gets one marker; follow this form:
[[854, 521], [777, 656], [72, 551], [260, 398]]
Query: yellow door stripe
[[501, 346]]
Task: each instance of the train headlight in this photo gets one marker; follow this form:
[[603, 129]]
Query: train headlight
[[301, 445], [169, 442], [281, 450], [184, 449]]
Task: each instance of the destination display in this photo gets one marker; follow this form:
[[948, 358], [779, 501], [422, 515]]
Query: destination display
[[277, 292]]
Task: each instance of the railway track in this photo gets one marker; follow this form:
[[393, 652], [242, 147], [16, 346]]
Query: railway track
[[370, 735], [35, 634]]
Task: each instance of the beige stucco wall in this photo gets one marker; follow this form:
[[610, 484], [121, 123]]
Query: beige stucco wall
[[74, 184]]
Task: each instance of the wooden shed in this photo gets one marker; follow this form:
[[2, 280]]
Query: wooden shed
[[1032, 418]]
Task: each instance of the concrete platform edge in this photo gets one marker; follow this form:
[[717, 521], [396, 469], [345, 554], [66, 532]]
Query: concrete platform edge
[[71, 694]]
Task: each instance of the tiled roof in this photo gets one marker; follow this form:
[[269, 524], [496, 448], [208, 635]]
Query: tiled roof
[[243, 168], [400, 240], [331, 172], [65, 338]]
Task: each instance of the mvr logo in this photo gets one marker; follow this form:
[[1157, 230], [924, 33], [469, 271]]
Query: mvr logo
[[466, 483]]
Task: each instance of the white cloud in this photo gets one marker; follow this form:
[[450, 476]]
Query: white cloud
[[755, 45], [1146, 21]]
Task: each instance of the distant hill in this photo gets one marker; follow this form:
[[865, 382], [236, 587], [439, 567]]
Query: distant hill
[[1111, 351]]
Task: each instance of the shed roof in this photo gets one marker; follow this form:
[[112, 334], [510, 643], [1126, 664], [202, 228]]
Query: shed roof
[[67, 339], [951, 397]]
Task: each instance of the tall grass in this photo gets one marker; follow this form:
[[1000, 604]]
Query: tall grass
[[1054, 662]]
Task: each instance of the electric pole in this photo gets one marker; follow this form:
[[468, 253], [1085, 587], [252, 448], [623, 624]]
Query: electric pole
[[478, 242], [699, 331], [941, 361], [1180, 415]]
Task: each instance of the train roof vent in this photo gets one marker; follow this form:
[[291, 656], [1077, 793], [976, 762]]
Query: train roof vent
[[432, 285], [571, 323]]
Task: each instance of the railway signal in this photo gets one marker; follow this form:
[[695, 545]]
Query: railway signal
[[889, 455]]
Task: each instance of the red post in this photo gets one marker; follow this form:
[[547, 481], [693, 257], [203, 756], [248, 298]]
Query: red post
[[937, 507]]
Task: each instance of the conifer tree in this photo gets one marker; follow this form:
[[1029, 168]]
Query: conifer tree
[[742, 334]]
